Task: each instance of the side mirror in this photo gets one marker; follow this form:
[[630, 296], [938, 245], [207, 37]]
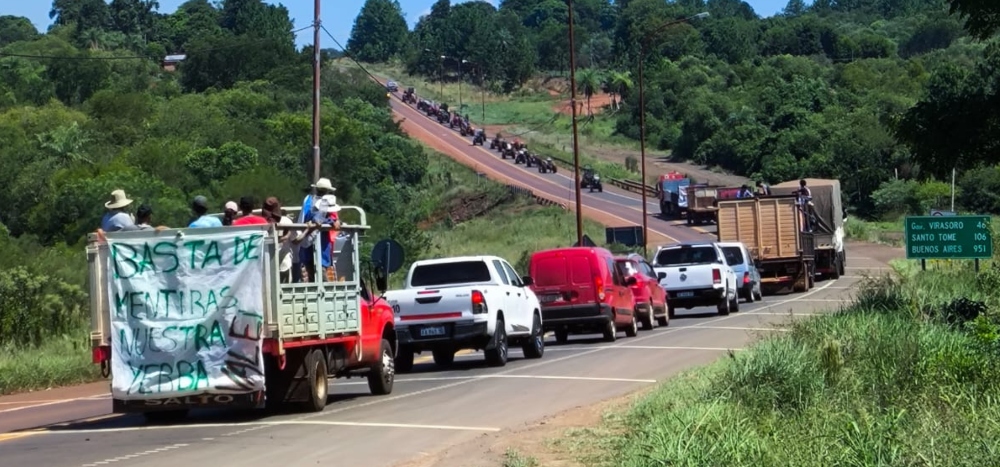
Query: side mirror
[[527, 280], [630, 281], [381, 280], [661, 275]]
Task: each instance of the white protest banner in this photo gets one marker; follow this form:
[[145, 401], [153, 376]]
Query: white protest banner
[[186, 313]]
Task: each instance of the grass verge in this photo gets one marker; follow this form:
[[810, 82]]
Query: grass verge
[[58, 362], [887, 233], [905, 375]]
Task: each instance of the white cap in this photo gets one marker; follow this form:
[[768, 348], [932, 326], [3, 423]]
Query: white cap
[[231, 206], [327, 204]]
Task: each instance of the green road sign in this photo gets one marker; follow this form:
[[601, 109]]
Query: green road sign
[[948, 237]]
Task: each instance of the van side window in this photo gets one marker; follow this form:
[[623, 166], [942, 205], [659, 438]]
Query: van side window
[[500, 270], [515, 280], [616, 276]]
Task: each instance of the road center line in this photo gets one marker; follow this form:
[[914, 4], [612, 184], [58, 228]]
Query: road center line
[[54, 402], [196, 426]]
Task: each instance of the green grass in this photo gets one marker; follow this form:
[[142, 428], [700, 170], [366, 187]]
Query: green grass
[[512, 458], [898, 377], [59, 362], [888, 233]]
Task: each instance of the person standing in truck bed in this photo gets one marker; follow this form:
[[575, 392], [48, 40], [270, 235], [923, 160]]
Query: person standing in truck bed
[[248, 217]]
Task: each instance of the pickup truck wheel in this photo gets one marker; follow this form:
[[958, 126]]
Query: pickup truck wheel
[[610, 331], [734, 305], [633, 329], [534, 345], [317, 378], [382, 373], [724, 305], [404, 360], [443, 356], [497, 356]]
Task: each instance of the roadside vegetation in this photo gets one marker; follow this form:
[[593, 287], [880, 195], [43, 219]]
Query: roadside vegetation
[[901, 376], [860, 91]]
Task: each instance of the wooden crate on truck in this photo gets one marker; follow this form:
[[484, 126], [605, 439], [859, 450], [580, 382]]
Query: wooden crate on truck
[[770, 229], [200, 317]]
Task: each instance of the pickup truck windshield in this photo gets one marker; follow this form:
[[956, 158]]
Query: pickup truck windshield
[[464, 272], [734, 255], [686, 255]]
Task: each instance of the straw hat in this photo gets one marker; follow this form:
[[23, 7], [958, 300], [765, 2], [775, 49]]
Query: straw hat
[[118, 200], [324, 184]]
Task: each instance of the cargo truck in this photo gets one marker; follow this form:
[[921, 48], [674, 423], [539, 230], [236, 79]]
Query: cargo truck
[[826, 221], [198, 317], [772, 229], [701, 204], [672, 188]]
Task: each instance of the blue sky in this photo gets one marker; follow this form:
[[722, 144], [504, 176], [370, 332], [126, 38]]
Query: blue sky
[[337, 15]]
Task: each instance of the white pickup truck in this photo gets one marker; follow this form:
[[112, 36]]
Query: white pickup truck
[[469, 302], [697, 275]]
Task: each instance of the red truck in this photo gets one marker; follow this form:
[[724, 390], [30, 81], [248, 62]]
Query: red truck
[[198, 317]]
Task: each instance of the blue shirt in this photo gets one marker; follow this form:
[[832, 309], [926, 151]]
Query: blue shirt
[[115, 221], [206, 221]]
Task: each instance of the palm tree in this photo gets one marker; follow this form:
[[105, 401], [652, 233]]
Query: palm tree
[[621, 82], [588, 82]]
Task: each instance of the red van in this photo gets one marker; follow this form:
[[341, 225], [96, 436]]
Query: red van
[[581, 291]]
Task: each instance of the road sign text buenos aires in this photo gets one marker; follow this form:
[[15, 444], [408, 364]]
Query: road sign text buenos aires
[[958, 237]]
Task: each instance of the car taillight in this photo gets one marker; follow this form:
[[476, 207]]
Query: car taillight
[[716, 276], [746, 277], [478, 303], [599, 287]]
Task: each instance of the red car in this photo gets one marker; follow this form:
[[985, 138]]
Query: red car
[[650, 298], [581, 291]]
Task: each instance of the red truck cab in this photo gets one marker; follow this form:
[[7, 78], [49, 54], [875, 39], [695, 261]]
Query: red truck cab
[[581, 290]]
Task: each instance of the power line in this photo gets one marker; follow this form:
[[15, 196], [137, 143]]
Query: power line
[[134, 57]]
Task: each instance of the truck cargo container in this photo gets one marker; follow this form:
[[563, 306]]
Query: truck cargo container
[[770, 227], [673, 194], [825, 220], [199, 317]]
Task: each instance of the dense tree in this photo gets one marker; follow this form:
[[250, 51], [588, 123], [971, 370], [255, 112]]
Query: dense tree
[[379, 31]]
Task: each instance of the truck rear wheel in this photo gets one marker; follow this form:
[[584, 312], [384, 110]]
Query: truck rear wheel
[[318, 381], [383, 373], [723, 306]]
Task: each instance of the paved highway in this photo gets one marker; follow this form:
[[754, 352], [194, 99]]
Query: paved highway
[[432, 408], [619, 207], [429, 410]]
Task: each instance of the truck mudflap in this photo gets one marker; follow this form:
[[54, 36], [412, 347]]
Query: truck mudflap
[[251, 400]]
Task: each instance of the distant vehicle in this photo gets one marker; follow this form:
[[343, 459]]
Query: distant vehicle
[[697, 275], [479, 138], [230, 334], [546, 165], [391, 86], [739, 258], [650, 298], [673, 194], [581, 291], [468, 302], [591, 180], [826, 213]]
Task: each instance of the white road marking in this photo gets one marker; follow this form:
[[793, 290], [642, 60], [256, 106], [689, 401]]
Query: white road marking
[[846, 300], [54, 402], [195, 426], [737, 328], [574, 378], [132, 456], [786, 313], [642, 347]]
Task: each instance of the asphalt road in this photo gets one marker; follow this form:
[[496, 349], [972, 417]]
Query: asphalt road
[[429, 409], [623, 206]]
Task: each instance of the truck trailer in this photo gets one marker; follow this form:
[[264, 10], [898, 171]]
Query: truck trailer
[[199, 317], [825, 217], [771, 228], [672, 188]]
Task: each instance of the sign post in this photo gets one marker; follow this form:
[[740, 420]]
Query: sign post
[[948, 237]]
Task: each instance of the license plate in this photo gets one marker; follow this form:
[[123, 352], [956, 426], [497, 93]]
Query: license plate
[[548, 298], [685, 294], [431, 331]]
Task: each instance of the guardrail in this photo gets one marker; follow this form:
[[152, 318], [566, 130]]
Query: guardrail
[[520, 190], [634, 187]]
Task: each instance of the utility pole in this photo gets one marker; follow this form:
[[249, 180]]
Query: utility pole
[[317, 58], [460, 62], [482, 87], [576, 146], [642, 123]]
